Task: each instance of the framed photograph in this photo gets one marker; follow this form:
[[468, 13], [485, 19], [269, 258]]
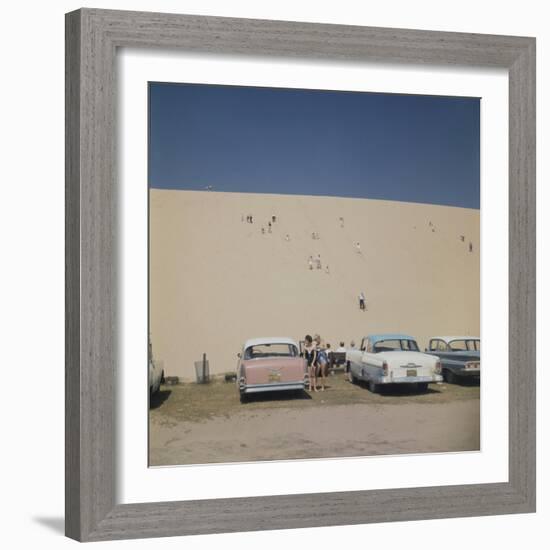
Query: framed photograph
[[285, 244]]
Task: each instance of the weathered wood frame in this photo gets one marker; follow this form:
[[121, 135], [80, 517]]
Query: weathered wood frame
[[92, 38]]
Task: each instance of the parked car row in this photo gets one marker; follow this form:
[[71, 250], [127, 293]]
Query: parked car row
[[275, 364]]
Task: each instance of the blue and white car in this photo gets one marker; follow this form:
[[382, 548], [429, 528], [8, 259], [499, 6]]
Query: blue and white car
[[385, 359]]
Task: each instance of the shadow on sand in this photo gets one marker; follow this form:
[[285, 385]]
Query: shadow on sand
[[464, 381], [277, 396], [404, 389], [157, 399]]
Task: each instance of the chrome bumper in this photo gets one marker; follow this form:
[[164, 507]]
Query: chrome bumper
[[274, 386], [466, 372], [410, 379]]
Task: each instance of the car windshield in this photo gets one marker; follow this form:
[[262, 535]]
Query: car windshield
[[395, 345], [271, 350]]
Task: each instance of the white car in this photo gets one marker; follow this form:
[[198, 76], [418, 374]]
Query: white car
[[392, 359], [156, 375], [156, 372]]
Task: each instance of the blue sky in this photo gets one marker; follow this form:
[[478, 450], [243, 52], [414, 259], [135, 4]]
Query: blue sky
[[313, 142]]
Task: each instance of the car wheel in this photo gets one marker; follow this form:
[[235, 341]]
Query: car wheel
[[373, 387], [243, 397], [352, 378]]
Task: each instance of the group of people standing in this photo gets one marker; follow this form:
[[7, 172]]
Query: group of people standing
[[317, 358]]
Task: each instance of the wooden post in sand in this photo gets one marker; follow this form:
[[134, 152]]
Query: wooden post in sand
[[204, 368]]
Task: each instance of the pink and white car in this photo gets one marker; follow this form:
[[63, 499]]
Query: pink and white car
[[270, 364]]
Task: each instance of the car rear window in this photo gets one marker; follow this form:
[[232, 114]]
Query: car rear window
[[271, 350], [395, 345]]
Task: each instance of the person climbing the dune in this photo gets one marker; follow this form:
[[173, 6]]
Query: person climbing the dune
[[362, 301]]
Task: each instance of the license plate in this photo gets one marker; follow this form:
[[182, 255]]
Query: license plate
[[411, 372], [274, 377]]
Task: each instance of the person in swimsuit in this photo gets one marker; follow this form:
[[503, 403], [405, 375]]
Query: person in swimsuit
[[310, 355], [322, 361]]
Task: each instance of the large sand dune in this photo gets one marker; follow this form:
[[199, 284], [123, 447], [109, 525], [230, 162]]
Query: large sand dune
[[216, 280]]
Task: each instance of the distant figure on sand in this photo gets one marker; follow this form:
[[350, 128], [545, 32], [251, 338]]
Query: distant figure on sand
[[263, 231], [287, 237], [273, 219], [470, 247], [269, 227], [361, 301], [310, 262], [462, 238], [327, 271], [358, 248], [341, 221], [318, 261]]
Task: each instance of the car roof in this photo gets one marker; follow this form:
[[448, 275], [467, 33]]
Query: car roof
[[389, 336], [269, 340], [448, 339]]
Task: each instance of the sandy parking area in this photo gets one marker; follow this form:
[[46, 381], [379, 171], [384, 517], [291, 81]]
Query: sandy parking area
[[192, 424]]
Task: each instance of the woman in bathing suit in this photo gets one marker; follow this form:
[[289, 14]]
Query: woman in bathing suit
[[310, 355]]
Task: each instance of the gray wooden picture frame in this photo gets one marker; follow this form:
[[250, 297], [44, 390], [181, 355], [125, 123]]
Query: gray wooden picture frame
[[92, 39]]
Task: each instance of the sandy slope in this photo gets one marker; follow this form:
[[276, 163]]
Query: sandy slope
[[215, 280]]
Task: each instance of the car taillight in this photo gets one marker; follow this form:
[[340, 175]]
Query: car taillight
[[385, 368], [438, 367]]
